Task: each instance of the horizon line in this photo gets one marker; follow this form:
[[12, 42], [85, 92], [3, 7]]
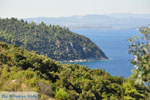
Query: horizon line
[[75, 15]]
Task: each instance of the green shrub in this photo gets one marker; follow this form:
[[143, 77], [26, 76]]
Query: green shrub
[[61, 94]]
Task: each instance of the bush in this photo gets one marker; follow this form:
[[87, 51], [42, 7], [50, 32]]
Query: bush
[[61, 94]]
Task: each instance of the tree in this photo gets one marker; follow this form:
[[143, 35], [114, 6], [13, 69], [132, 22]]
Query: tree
[[131, 92], [140, 48]]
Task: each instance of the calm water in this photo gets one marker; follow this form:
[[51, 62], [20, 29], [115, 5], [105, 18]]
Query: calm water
[[114, 43]]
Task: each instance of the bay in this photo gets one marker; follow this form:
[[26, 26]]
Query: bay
[[114, 43]]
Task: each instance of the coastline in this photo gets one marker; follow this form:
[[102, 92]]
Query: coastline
[[83, 60], [95, 28]]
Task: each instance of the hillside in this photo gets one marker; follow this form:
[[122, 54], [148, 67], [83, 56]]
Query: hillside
[[103, 21], [54, 41], [21, 70]]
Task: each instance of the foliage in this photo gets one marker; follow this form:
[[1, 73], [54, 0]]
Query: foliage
[[21, 70], [61, 94], [131, 92], [15, 79], [56, 42], [140, 48]]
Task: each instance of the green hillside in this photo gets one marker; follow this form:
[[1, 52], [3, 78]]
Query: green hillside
[[56, 42], [21, 70]]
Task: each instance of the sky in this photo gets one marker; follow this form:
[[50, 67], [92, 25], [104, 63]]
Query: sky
[[60, 8]]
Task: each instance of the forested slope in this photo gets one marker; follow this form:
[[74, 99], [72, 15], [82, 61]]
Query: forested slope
[[56, 42], [21, 70]]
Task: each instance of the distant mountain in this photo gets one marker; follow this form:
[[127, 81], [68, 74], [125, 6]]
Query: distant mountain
[[108, 21], [56, 42]]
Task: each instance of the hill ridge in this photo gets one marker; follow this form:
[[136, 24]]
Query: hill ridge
[[54, 41]]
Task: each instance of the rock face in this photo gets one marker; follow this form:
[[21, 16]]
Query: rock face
[[56, 42]]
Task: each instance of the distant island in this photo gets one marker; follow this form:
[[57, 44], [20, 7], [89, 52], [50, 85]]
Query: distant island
[[54, 41], [117, 21]]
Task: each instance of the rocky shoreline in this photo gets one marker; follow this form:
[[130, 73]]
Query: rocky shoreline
[[83, 60]]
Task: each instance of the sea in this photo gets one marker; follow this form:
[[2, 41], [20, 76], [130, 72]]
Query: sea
[[115, 45]]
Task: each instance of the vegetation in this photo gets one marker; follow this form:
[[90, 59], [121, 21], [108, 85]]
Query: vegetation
[[21, 70], [140, 48], [56, 42]]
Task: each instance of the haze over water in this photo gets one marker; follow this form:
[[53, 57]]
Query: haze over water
[[114, 43]]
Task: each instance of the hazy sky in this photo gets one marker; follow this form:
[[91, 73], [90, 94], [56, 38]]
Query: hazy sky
[[52, 8]]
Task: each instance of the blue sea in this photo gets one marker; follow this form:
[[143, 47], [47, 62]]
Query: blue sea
[[114, 43]]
